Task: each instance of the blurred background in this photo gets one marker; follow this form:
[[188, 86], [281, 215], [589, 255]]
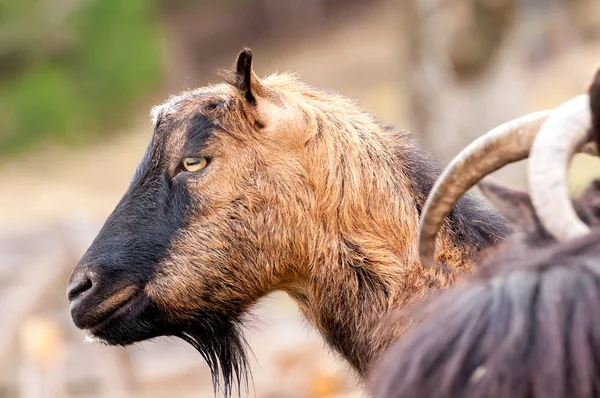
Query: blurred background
[[78, 78]]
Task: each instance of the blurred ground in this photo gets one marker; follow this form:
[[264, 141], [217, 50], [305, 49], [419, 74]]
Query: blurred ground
[[53, 200]]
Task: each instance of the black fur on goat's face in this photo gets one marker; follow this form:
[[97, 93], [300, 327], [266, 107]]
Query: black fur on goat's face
[[137, 288], [186, 253], [524, 326]]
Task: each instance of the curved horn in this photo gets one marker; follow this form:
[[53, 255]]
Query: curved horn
[[507, 143], [565, 131]]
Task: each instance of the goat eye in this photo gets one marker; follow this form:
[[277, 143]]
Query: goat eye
[[194, 164]]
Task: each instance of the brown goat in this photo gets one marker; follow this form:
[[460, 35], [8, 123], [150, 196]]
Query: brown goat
[[524, 325], [257, 185]]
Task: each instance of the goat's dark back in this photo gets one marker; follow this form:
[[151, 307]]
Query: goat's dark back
[[523, 328], [525, 325], [595, 105]]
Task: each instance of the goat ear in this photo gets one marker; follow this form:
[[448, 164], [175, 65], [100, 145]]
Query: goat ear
[[512, 204], [595, 106], [589, 202], [246, 80]]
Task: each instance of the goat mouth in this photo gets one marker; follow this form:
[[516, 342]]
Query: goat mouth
[[112, 317]]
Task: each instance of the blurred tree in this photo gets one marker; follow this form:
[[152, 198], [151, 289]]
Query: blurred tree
[[585, 15], [462, 76], [72, 66], [479, 30]]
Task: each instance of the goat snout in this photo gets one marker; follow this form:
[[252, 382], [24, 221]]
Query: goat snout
[[84, 295], [80, 284], [95, 299]]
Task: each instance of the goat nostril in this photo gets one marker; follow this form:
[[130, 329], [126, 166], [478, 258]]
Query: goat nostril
[[78, 285]]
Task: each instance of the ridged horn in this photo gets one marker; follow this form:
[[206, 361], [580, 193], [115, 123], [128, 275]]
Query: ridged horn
[[560, 137], [507, 143]]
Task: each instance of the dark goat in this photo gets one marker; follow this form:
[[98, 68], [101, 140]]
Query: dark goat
[[524, 325], [595, 106]]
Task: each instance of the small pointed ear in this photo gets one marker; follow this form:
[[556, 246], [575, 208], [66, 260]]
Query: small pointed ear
[[247, 82], [512, 204], [589, 202]]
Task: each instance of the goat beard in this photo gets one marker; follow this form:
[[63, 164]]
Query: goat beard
[[221, 343]]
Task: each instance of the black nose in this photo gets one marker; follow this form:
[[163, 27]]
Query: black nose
[[80, 283]]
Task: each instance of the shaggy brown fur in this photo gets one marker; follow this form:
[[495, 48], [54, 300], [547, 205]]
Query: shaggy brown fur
[[524, 326], [304, 192]]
